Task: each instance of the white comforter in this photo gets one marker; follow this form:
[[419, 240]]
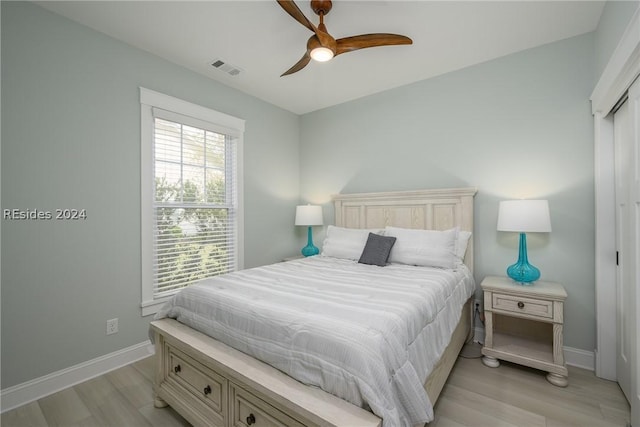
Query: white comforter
[[367, 334]]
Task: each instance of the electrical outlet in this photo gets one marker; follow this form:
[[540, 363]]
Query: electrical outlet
[[112, 326]]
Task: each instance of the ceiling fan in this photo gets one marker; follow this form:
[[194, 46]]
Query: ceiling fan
[[321, 46]]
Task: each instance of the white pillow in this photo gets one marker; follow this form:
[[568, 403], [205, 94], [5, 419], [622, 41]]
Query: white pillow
[[462, 242], [429, 248], [347, 243]]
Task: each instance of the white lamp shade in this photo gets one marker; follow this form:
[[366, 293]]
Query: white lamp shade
[[524, 216], [308, 215]]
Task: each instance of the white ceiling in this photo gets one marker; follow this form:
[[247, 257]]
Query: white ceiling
[[264, 41]]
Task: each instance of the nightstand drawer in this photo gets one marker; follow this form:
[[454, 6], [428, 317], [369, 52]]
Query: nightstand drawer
[[522, 305]]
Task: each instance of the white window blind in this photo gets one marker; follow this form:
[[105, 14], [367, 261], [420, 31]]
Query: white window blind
[[193, 213]]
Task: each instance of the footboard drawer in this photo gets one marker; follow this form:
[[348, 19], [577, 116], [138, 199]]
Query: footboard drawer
[[198, 379], [190, 385], [251, 411]]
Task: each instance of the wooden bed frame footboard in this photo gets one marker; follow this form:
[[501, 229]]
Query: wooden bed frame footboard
[[212, 384]]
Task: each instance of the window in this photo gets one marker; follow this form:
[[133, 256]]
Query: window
[[191, 195]]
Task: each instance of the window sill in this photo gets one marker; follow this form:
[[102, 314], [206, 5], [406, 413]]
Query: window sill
[[152, 307]]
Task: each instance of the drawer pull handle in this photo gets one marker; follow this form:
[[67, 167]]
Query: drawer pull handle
[[520, 304], [251, 419], [207, 390], [177, 369]]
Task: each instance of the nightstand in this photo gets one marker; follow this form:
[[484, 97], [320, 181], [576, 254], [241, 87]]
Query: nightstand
[[291, 258], [523, 324]]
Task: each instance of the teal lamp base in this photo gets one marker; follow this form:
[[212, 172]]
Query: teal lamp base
[[523, 272], [310, 250]]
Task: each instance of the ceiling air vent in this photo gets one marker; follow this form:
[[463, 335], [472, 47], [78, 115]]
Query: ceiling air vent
[[230, 69]]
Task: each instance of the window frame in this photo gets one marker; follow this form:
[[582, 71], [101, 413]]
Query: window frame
[[222, 123]]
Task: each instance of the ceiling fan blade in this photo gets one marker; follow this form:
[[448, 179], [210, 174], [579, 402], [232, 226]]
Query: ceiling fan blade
[[292, 9], [298, 66], [349, 44]]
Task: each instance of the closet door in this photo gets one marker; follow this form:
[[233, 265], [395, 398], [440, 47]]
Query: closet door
[[634, 199], [627, 165], [624, 321]]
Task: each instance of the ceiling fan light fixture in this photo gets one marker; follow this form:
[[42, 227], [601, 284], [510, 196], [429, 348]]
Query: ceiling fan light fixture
[[321, 54], [321, 46]]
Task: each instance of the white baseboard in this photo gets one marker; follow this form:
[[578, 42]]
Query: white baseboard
[[573, 356], [580, 358], [35, 389]]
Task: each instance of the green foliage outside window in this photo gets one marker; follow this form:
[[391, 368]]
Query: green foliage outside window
[[191, 241]]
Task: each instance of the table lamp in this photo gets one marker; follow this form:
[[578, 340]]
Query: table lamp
[[309, 215], [524, 216]]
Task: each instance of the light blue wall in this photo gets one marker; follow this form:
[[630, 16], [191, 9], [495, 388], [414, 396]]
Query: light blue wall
[[515, 127], [613, 22], [71, 139]]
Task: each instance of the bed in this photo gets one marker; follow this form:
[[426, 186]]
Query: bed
[[211, 382]]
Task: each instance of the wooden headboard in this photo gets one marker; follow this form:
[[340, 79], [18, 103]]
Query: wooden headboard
[[438, 209]]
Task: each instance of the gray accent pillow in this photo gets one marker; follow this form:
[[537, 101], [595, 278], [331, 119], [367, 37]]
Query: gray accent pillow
[[377, 249]]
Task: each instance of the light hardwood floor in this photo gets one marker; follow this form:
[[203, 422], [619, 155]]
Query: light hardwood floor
[[475, 395]]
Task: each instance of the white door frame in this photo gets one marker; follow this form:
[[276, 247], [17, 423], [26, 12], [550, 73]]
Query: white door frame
[[620, 72]]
